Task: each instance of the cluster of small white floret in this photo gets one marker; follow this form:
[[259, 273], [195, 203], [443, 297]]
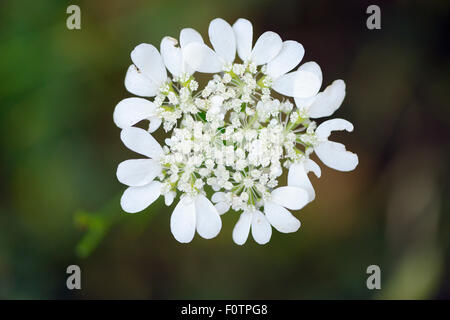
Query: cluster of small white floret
[[233, 137]]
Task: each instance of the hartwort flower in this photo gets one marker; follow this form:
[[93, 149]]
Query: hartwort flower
[[233, 136]]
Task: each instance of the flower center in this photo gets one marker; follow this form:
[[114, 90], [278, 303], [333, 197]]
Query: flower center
[[233, 135]]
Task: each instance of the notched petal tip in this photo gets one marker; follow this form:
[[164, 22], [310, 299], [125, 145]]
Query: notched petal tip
[[223, 40], [266, 48], [288, 58], [130, 111], [243, 32], [201, 58], [189, 35]]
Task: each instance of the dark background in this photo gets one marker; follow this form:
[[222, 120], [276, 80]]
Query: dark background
[[60, 149]]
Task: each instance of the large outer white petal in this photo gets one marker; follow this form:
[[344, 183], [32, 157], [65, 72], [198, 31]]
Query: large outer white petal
[[136, 199], [222, 39], [189, 35], [266, 48], [137, 83], [302, 84], [298, 176], [201, 58], [324, 130], [147, 58], [208, 219], [312, 166], [280, 218], [335, 156], [172, 56], [289, 57], [304, 103], [140, 141], [290, 197], [155, 123], [242, 228], [183, 220], [328, 101], [243, 31], [130, 111], [261, 229], [138, 172], [313, 67]]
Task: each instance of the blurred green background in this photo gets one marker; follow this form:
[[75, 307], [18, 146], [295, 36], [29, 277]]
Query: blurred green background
[[60, 149]]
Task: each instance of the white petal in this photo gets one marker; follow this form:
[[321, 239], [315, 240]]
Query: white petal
[[266, 48], [290, 197], [130, 111], [298, 177], [201, 58], [328, 101], [243, 31], [172, 56], [137, 83], [280, 218], [242, 228], [313, 67], [136, 199], [140, 141], [302, 84], [138, 172], [155, 123], [304, 103], [312, 166], [182, 221], [261, 229], [218, 197], [148, 60], [189, 35], [335, 156], [208, 219], [222, 39], [222, 207], [324, 130], [169, 197], [289, 57]]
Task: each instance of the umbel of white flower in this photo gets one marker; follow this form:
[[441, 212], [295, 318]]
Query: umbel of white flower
[[233, 136]]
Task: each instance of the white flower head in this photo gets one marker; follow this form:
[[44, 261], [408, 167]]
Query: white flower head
[[232, 135]]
